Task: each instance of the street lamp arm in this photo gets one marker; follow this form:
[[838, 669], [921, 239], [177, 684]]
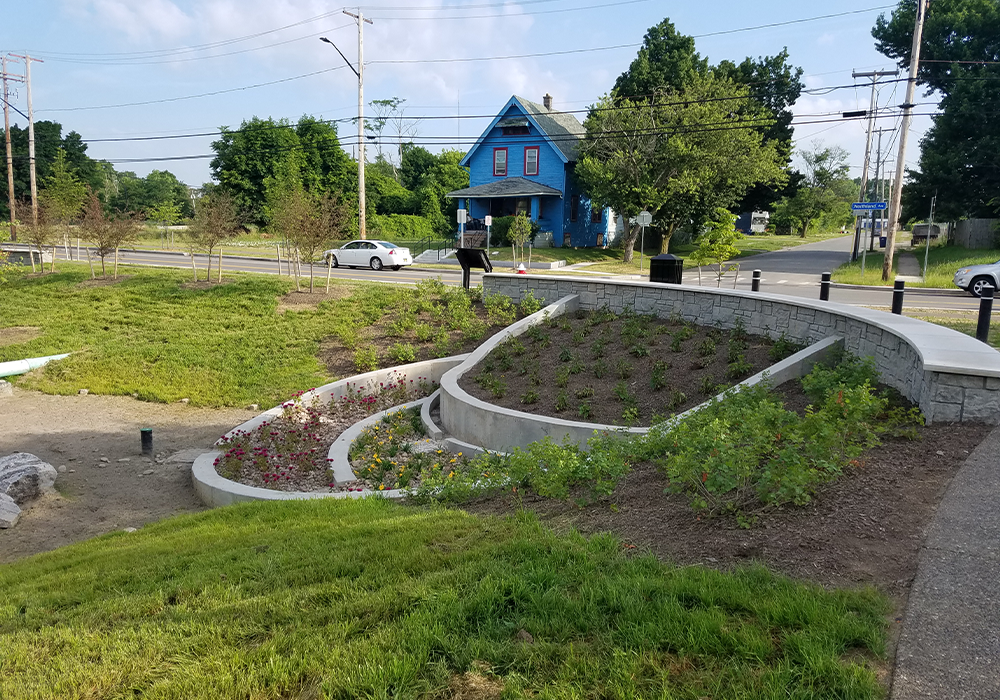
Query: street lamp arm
[[323, 38]]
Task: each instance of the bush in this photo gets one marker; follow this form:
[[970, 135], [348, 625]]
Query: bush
[[849, 371], [529, 304], [402, 353], [500, 231], [366, 359], [399, 227], [500, 310]]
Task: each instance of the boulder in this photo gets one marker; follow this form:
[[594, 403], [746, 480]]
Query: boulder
[[24, 477], [6, 388], [9, 512]]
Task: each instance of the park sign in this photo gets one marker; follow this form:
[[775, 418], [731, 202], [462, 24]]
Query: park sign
[[869, 206]]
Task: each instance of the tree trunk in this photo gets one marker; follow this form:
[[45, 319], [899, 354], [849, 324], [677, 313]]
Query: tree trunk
[[312, 269], [116, 262], [104, 270], [628, 243], [329, 269], [53, 267], [665, 238], [194, 268], [298, 271], [220, 265], [91, 261]]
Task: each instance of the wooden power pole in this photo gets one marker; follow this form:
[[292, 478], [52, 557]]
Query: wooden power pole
[[6, 77], [904, 128], [31, 136]]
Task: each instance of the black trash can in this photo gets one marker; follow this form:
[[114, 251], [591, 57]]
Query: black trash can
[[666, 268]]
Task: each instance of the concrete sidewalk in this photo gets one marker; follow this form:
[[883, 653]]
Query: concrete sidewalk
[[950, 644]]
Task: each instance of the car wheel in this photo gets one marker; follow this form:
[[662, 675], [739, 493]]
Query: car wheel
[[395, 268], [976, 288], [376, 264], [333, 261]]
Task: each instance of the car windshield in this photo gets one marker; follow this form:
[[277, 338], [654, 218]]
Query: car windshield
[[387, 244]]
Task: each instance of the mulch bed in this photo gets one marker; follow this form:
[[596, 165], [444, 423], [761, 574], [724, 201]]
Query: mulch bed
[[607, 365]]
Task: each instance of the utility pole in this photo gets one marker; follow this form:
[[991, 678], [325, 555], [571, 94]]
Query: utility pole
[[878, 189], [360, 72], [31, 136], [897, 188], [10, 157], [874, 75]]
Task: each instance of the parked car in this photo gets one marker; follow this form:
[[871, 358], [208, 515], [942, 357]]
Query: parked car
[[973, 278], [373, 254]]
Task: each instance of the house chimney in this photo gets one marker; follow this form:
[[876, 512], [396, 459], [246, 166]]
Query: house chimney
[[547, 101]]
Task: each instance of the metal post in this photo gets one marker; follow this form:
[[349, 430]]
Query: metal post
[[824, 286], [10, 159], [642, 247], [755, 282], [985, 311], [927, 242], [897, 297]]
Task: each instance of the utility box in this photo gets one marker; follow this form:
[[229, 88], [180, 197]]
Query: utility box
[[666, 268]]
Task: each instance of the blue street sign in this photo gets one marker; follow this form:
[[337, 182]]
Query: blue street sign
[[869, 206]]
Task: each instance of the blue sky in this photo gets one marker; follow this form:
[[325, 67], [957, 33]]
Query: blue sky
[[113, 52]]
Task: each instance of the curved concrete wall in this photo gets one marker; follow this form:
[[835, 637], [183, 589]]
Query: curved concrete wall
[[951, 376]]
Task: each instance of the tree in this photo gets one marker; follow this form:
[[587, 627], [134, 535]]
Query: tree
[[389, 115], [107, 233], [520, 233], [666, 61], [63, 193], [216, 219], [310, 222], [717, 244], [265, 150], [825, 189], [679, 155], [41, 232], [959, 51]]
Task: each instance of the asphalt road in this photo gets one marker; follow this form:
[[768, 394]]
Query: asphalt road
[[793, 272]]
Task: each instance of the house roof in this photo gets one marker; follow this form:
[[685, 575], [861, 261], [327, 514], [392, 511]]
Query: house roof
[[563, 131], [507, 187]]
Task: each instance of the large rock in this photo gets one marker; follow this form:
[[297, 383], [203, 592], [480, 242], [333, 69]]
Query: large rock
[[24, 477], [9, 512], [6, 389]]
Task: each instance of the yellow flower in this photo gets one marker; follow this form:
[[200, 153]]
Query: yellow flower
[[451, 475], [381, 487], [451, 461], [459, 454]]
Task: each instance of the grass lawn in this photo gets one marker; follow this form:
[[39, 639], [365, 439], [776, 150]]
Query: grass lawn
[[368, 599], [153, 334], [959, 320], [943, 261]]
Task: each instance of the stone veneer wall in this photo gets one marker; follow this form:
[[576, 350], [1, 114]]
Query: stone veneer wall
[[951, 376]]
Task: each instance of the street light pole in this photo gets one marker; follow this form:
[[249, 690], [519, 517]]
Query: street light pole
[[360, 72]]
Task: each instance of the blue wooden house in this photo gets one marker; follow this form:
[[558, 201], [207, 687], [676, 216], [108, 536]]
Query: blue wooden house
[[523, 164]]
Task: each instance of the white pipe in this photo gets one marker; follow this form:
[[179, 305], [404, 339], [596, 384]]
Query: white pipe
[[13, 367]]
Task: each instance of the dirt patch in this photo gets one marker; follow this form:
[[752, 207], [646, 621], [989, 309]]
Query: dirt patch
[[102, 281], [97, 497], [622, 370], [15, 335], [865, 528], [299, 301]]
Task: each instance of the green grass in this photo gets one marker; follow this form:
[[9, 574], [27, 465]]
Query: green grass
[[149, 335], [367, 599], [943, 262], [961, 321]]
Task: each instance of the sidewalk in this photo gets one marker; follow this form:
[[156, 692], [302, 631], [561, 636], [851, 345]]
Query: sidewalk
[[950, 644]]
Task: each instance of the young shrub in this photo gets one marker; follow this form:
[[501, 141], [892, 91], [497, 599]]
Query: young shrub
[[576, 367], [473, 329], [782, 348], [849, 372], [658, 377], [585, 410], [401, 353], [529, 304], [639, 351], [423, 332], [476, 294], [708, 385], [500, 310], [562, 401], [585, 393], [565, 355], [738, 369], [677, 399], [366, 359], [707, 348], [600, 369], [562, 377], [529, 397], [623, 368]]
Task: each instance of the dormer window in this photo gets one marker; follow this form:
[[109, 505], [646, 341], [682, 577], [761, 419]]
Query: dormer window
[[500, 162], [531, 160], [514, 126]]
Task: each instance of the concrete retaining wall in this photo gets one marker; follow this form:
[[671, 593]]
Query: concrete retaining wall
[[951, 376]]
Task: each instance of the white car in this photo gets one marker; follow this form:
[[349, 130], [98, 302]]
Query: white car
[[373, 254], [973, 278]]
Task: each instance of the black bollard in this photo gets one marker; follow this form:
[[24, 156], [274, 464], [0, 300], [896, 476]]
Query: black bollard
[[755, 282], [985, 311], [824, 287], [897, 297], [146, 438]]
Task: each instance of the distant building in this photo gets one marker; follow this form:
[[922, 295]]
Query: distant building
[[523, 164]]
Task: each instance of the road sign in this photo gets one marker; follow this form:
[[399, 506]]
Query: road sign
[[869, 206], [488, 220], [644, 218], [461, 216]]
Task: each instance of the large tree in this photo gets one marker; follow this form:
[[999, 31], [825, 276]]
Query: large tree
[[960, 51], [824, 194], [667, 60], [264, 151], [680, 154]]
